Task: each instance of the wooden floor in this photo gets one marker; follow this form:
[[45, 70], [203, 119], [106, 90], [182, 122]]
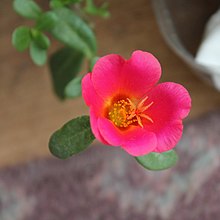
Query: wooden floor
[[29, 111]]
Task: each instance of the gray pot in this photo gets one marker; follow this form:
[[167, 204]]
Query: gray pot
[[182, 24]]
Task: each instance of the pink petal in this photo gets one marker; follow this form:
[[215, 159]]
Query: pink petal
[[94, 127], [86, 87], [135, 140], [145, 143], [171, 103], [106, 75], [141, 72], [90, 96], [169, 137], [96, 105], [113, 76]]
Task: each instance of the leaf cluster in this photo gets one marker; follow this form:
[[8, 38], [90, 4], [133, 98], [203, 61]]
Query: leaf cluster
[[64, 22]]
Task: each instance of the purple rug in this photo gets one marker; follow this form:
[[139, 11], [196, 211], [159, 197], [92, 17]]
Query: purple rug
[[104, 183]]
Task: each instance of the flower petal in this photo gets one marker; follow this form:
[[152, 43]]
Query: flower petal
[[135, 140], [112, 75], [106, 75], [90, 96], [141, 72], [94, 127], [171, 103], [144, 143], [168, 137]]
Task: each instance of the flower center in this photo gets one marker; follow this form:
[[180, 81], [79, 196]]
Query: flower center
[[125, 112], [120, 113]]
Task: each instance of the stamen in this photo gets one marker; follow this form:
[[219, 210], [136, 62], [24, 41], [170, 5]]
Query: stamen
[[125, 112], [141, 103], [144, 108], [139, 121], [146, 117], [131, 103]]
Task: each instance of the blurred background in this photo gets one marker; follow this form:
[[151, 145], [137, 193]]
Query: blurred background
[[30, 113]]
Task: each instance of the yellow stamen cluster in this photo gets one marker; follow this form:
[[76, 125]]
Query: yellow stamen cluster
[[120, 113], [125, 112]]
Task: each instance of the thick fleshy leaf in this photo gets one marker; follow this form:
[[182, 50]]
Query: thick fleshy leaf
[[21, 38], [61, 3], [40, 39], [68, 2], [38, 55], [27, 8], [158, 161], [73, 88], [46, 21], [74, 32], [65, 64], [74, 137], [99, 11]]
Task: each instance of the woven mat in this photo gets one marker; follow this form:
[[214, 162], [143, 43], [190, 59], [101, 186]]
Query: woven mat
[[104, 183]]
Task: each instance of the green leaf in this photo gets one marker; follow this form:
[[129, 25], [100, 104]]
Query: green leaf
[[158, 161], [46, 21], [27, 8], [74, 137], [56, 4], [38, 55], [67, 2], [99, 11], [60, 3], [74, 32], [40, 39], [73, 88], [21, 38], [65, 64]]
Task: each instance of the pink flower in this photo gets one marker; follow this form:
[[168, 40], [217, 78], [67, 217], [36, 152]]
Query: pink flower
[[128, 109]]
